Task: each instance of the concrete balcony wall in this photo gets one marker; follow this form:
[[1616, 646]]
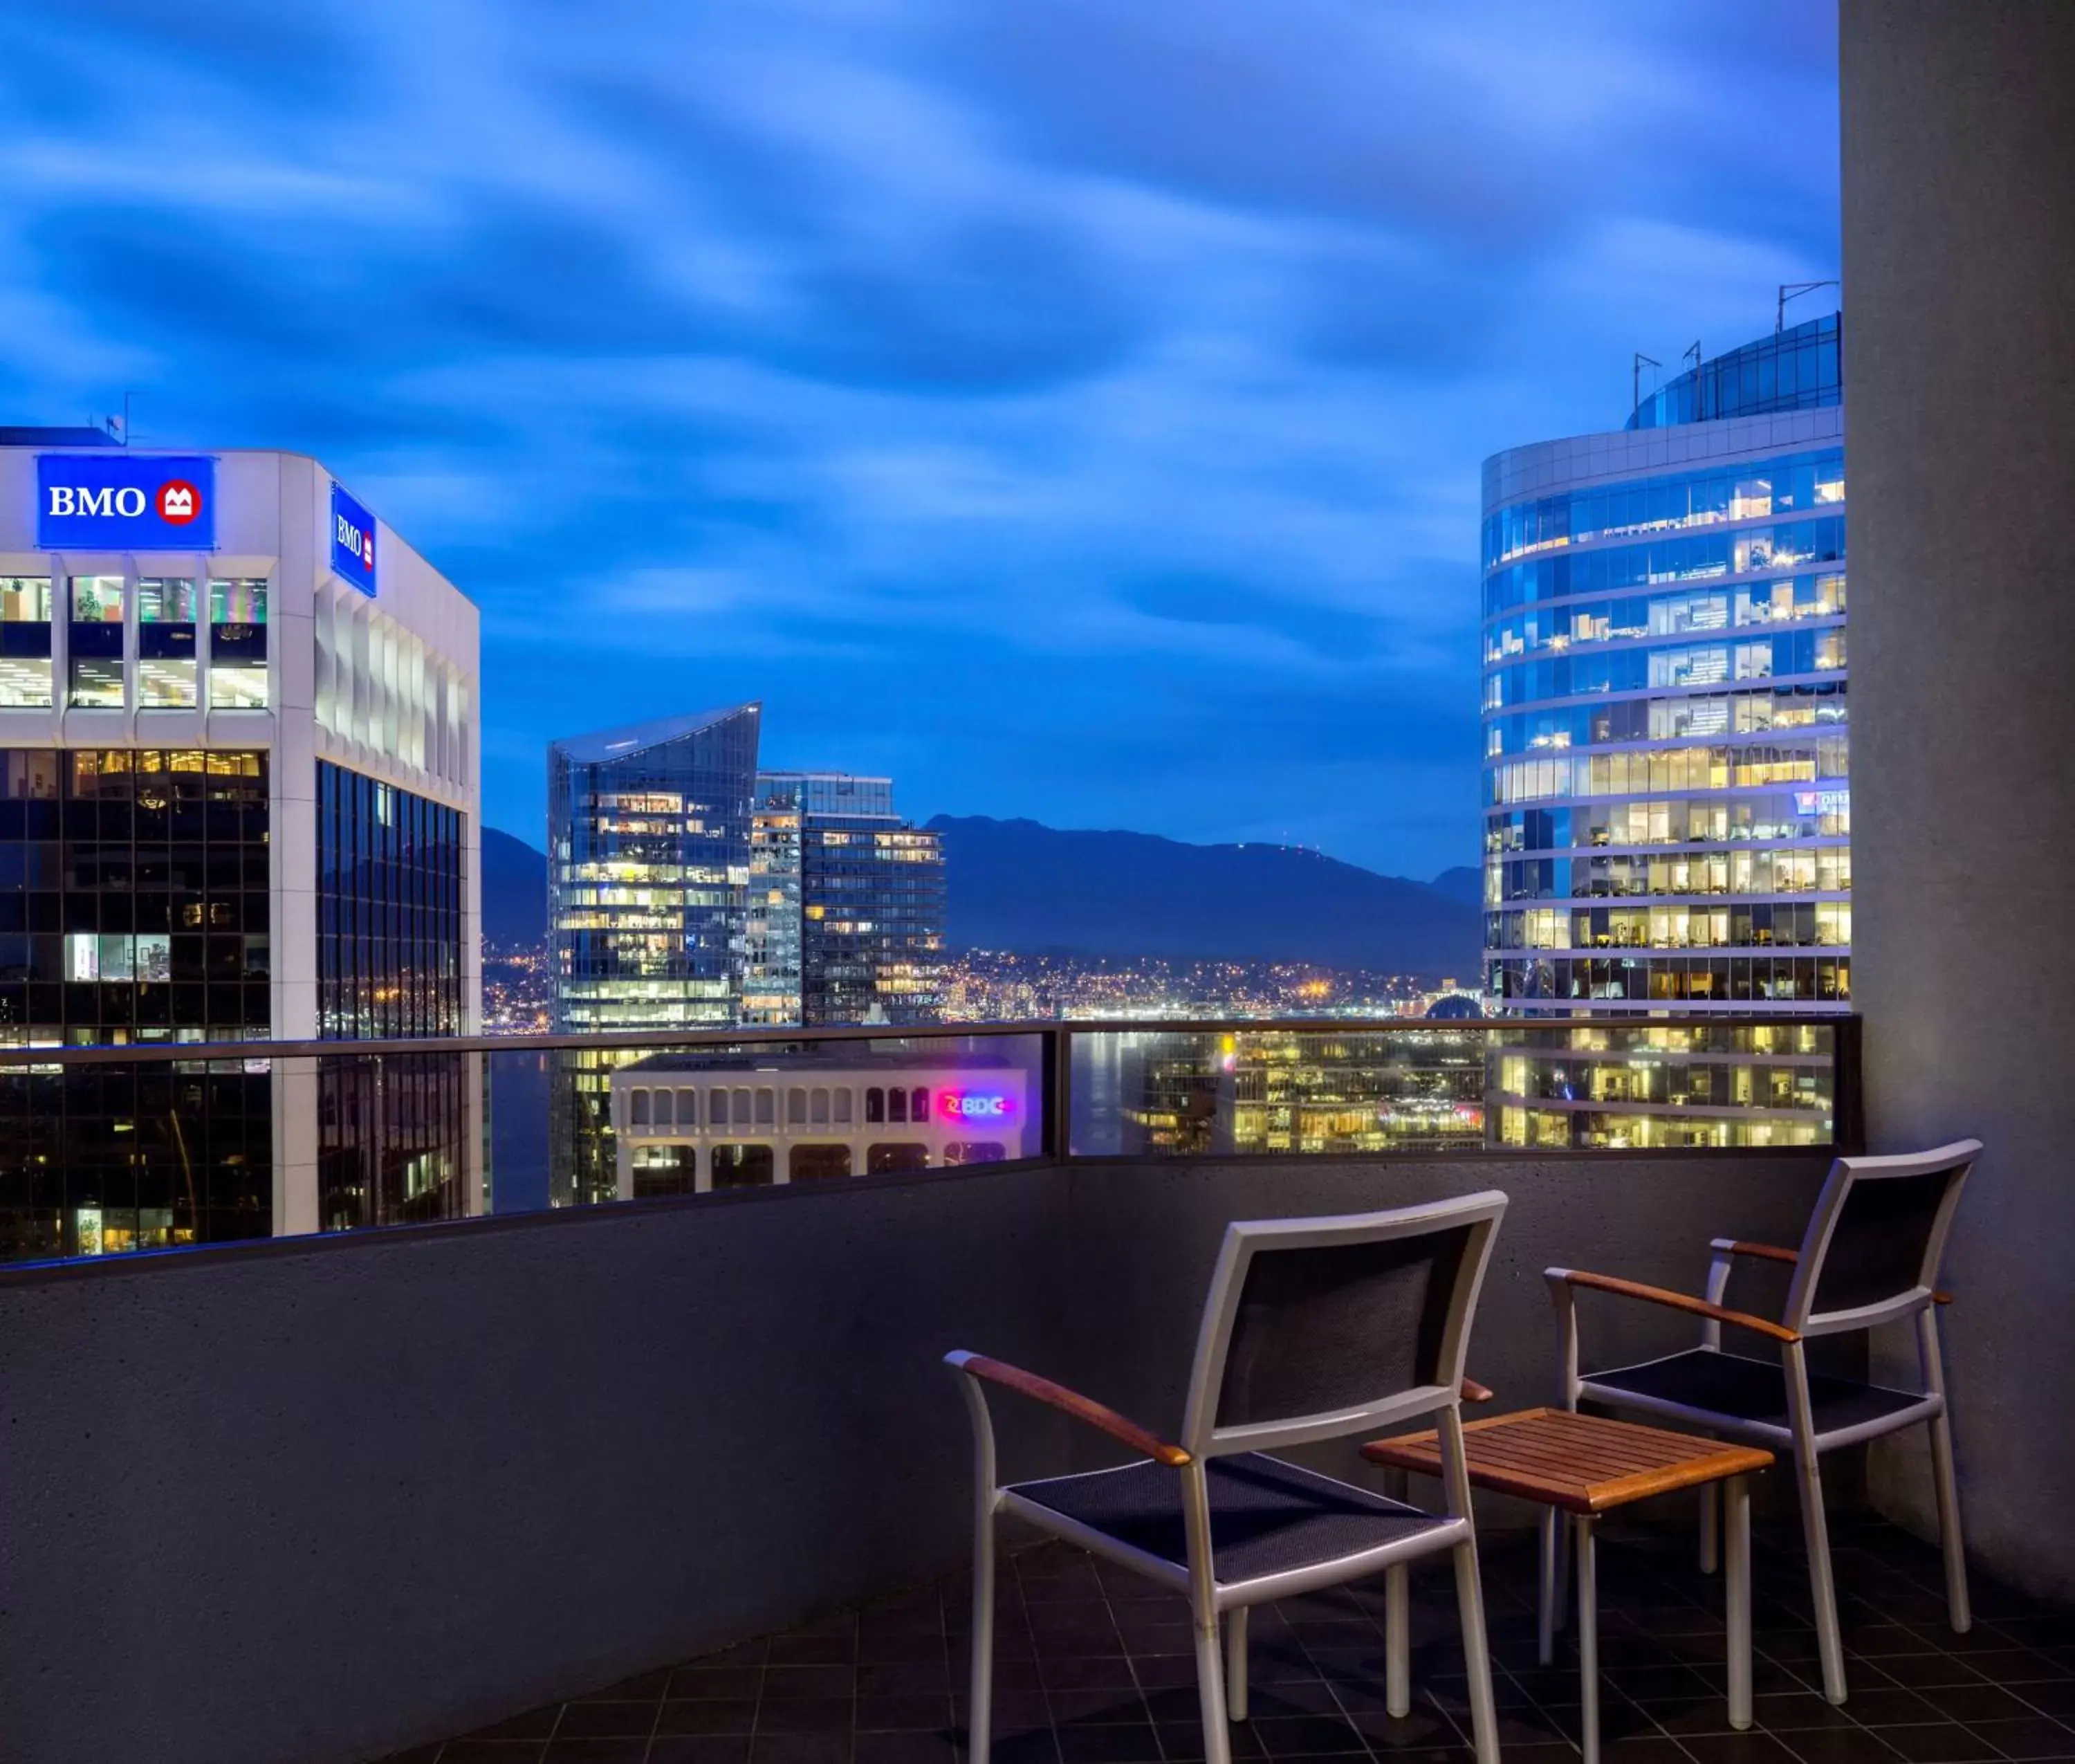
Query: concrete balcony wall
[[322, 1499], [1959, 236]]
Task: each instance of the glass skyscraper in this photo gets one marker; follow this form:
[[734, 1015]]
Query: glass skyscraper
[[239, 776], [648, 863], [849, 926], [1667, 813]]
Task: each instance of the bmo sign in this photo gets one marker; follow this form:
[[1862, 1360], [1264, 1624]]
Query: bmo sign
[[126, 502], [352, 541]]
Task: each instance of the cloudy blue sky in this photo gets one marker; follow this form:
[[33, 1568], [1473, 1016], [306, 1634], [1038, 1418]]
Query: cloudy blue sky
[[1071, 407]]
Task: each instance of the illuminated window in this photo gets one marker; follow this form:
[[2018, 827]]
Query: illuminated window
[[237, 644], [25, 640], [96, 641], [166, 642]]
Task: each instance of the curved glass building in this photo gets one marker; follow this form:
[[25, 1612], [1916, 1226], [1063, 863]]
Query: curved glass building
[[1667, 814]]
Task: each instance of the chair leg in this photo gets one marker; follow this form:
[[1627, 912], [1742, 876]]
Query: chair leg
[[1211, 1695], [1822, 1589], [1711, 1528], [979, 1722], [1235, 1662], [1398, 1640], [1957, 1605], [1551, 1595], [1397, 1616], [1477, 1653]]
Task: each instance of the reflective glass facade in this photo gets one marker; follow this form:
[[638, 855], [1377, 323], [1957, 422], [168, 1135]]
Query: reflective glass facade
[[389, 964], [389, 910], [648, 878], [134, 907], [1800, 369], [865, 893], [1666, 804]]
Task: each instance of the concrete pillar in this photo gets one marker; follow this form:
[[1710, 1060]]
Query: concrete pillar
[[1959, 249]]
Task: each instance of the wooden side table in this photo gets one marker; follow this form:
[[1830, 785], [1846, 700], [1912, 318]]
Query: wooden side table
[[1583, 1466]]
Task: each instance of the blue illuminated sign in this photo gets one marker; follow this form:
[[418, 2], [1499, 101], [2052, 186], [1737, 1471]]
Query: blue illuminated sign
[[352, 541], [121, 501]]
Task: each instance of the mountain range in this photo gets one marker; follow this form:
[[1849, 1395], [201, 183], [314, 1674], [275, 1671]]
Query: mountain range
[[1019, 885]]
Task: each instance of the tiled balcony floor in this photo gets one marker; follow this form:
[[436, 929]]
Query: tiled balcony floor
[[1093, 1667]]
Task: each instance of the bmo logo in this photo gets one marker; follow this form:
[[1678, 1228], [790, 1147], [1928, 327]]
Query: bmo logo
[[120, 501], [975, 1106], [352, 541]]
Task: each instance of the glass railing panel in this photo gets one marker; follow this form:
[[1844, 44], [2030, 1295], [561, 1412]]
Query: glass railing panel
[[1627, 1084], [1452, 1085], [1299, 1091], [106, 1151], [154, 1146]]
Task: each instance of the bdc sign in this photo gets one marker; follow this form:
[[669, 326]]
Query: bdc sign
[[352, 541], [126, 502]]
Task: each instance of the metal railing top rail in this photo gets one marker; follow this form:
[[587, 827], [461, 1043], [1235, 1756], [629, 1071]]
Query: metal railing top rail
[[619, 1040]]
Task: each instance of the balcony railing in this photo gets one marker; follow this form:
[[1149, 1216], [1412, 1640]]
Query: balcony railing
[[109, 1150]]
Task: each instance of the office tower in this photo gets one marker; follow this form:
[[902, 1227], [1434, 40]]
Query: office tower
[[1667, 810], [870, 903], [770, 968], [648, 857], [239, 782]]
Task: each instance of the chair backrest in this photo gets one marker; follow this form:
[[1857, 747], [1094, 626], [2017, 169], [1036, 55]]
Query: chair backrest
[[1876, 1239], [1318, 1327]]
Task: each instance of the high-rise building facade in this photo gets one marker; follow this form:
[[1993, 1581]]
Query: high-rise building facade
[[238, 780], [648, 862], [867, 888], [1667, 813]]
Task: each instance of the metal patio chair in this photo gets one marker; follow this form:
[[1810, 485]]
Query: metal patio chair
[[1870, 1255], [1313, 1329]]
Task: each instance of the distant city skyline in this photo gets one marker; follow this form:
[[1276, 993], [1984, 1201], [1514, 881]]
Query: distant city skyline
[[1073, 411]]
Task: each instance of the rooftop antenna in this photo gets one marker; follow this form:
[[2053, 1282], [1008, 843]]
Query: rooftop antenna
[[1793, 291], [1635, 376]]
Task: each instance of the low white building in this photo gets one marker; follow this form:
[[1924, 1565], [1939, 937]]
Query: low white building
[[690, 1123]]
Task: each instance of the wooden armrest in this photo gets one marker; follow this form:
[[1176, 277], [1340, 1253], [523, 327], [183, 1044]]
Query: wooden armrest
[[1676, 1301], [1474, 1391], [1763, 1252], [1732, 1246], [1083, 1408]]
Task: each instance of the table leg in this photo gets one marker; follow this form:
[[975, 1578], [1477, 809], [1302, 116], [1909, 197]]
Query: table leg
[[1551, 1594], [1736, 1516], [1589, 1643]]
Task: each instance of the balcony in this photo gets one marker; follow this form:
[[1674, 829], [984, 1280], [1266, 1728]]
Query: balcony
[[333, 1497]]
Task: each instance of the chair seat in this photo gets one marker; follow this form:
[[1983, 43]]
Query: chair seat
[[1267, 1516], [1752, 1391]]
